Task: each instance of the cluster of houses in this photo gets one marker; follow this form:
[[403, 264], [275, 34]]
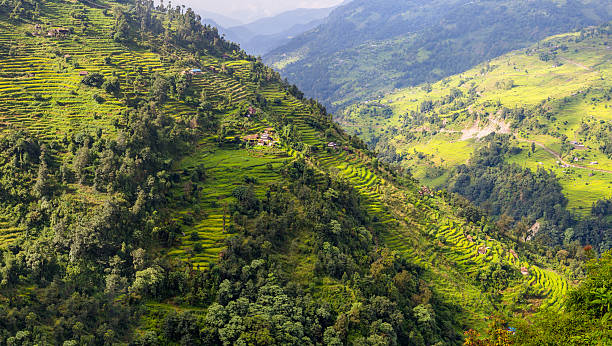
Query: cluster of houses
[[564, 165], [425, 191], [251, 112], [55, 32], [58, 32], [266, 138]]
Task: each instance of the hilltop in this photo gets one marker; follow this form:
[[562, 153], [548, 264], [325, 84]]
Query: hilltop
[[367, 48], [160, 186], [551, 100]]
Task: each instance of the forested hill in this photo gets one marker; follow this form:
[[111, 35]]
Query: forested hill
[[526, 135], [367, 48], [160, 187]]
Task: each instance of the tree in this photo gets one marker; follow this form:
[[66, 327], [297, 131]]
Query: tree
[[182, 85], [112, 86], [147, 282], [42, 186], [81, 161], [159, 89], [93, 80]]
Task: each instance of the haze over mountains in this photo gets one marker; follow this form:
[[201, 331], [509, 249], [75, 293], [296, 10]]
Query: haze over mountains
[[265, 34]]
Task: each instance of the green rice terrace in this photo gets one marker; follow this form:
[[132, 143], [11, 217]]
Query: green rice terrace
[[561, 89], [143, 166]]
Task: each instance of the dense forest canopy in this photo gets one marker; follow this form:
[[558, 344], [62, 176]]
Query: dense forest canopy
[[517, 195]]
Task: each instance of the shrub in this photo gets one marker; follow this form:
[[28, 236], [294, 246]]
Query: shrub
[[112, 86]]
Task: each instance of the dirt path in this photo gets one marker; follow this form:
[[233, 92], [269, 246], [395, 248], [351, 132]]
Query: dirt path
[[558, 157], [577, 64]]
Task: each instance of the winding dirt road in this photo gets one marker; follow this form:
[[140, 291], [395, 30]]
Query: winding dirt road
[[556, 155]]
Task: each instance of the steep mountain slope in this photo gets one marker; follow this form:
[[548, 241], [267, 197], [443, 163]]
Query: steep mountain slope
[[368, 48], [138, 206], [552, 100]]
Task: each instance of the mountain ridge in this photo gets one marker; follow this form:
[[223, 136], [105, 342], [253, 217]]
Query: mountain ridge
[[369, 48], [164, 187]]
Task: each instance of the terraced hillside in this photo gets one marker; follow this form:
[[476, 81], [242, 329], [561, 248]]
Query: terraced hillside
[[154, 188], [561, 87], [425, 231]]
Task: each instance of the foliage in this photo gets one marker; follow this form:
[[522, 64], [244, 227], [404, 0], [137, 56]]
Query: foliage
[[587, 316]]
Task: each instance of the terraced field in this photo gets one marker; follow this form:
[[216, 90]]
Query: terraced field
[[452, 259], [228, 169], [41, 90]]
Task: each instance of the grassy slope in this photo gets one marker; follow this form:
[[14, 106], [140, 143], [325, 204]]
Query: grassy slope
[[583, 76], [412, 226]]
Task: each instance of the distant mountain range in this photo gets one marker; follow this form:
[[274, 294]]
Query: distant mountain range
[[370, 47], [264, 35], [217, 19]]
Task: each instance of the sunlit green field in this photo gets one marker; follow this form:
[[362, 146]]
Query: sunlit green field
[[573, 86]]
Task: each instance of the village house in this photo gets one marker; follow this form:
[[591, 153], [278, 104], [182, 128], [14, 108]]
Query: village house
[[263, 139], [594, 163], [58, 32], [578, 145], [470, 238], [332, 145], [482, 250], [83, 73], [524, 271], [251, 138]]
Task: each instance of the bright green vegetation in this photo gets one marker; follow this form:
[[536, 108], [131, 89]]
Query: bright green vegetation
[[585, 319], [552, 100], [134, 210], [368, 48]]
